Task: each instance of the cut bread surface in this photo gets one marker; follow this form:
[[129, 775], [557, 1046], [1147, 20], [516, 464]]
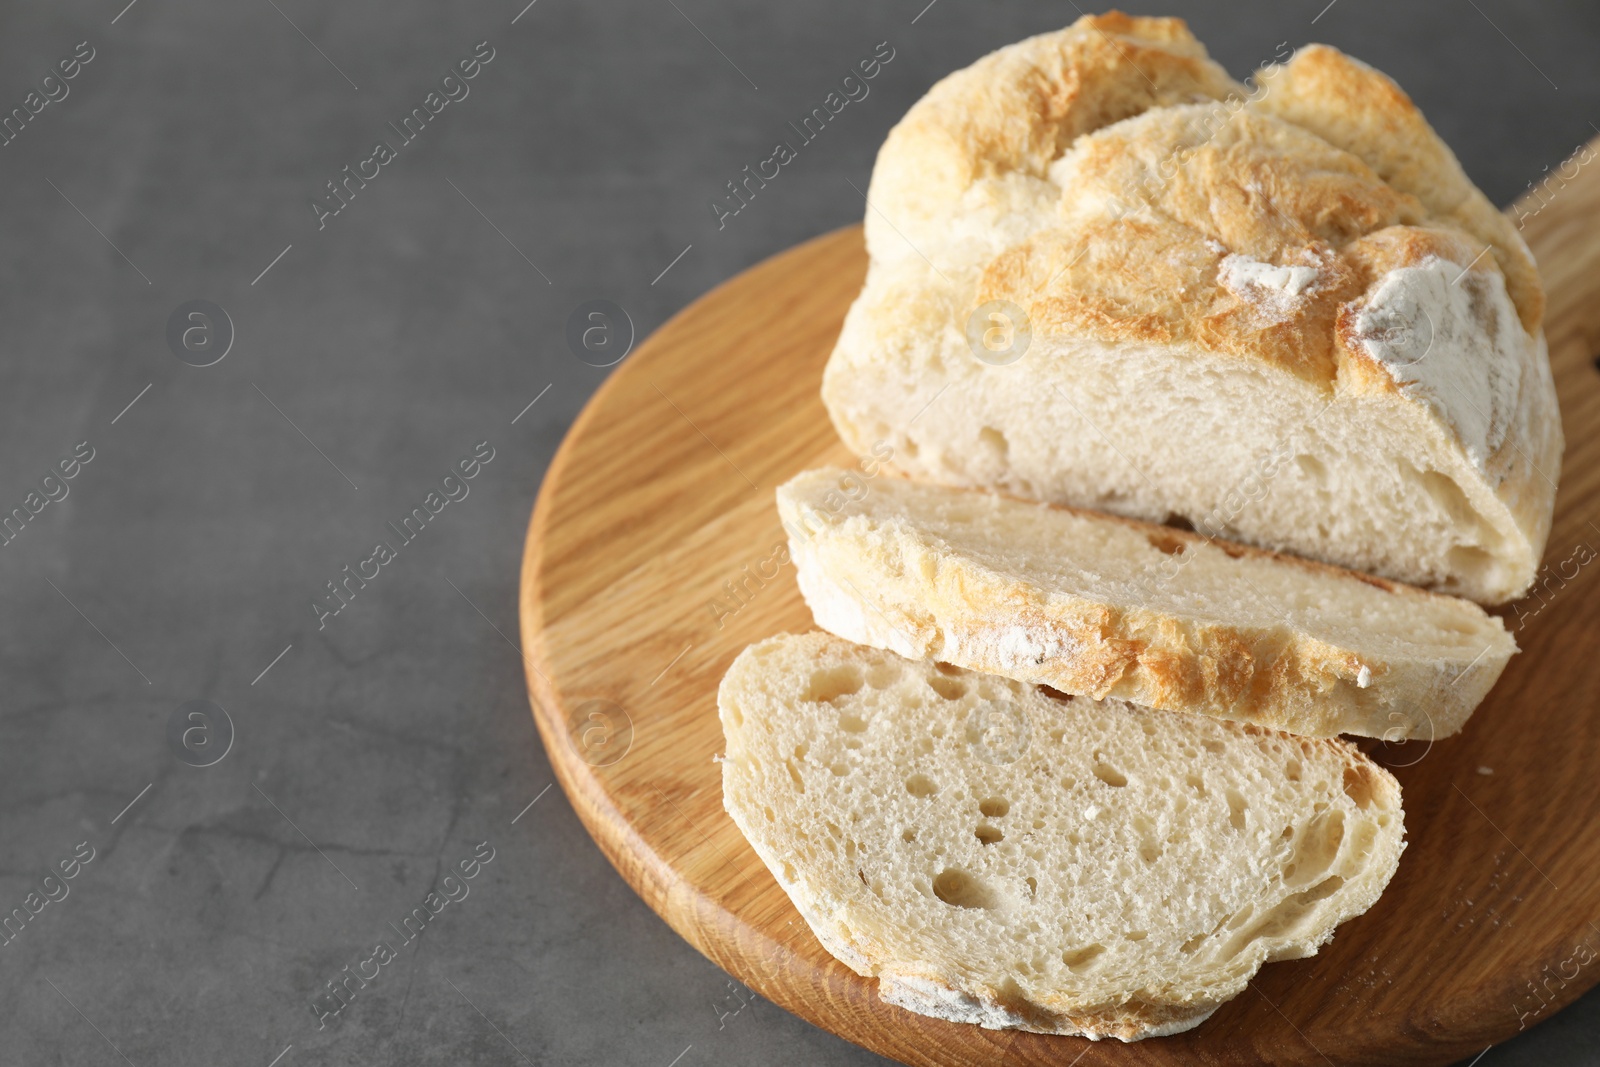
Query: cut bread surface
[[997, 856], [1284, 314], [1101, 606]]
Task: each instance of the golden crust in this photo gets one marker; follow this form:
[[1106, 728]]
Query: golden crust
[[1327, 165], [928, 602], [1361, 110], [1017, 109], [1174, 261], [1132, 1019], [1296, 684]]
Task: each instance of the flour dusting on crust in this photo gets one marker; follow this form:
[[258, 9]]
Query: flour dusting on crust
[[1449, 338], [1273, 292]]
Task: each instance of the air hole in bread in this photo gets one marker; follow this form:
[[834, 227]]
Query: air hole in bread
[[1197, 783], [1149, 847], [882, 675], [920, 785], [831, 683], [948, 668], [851, 723], [1135, 935], [1313, 467], [1316, 850], [1079, 960], [1360, 786], [949, 688], [1178, 522], [1193, 943], [1231, 550], [1448, 494], [1291, 770], [840, 769], [1287, 920], [995, 442], [1212, 746], [994, 807], [1110, 775], [1033, 890], [908, 835], [794, 775], [1169, 543], [962, 890], [1362, 838], [1236, 807], [1056, 694], [1472, 562], [989, 835]]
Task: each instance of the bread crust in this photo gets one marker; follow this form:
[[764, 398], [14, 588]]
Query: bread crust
[[1120, 189], [885, 581], [1361, 110], [1017, 109], [1133, 1020]]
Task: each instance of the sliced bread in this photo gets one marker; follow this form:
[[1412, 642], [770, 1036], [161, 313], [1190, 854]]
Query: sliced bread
[[1102, 606], [1104, 274], [997, 856]]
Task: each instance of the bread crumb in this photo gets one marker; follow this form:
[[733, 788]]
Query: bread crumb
[[1485, 770], [1364, 678]]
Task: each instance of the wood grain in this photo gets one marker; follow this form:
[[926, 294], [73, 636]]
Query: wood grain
[[659, 506]]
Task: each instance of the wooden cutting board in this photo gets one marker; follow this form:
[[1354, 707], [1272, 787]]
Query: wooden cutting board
[[659, 506]]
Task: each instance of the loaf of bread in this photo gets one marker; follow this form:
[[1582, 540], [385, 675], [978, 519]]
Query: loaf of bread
[[1105, 274], [999, 856], [1102, 606]]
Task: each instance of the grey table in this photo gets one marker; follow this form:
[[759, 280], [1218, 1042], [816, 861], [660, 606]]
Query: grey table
[[357, 759]]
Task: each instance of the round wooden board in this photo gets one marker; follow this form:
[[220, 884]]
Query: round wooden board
[[662, 495]]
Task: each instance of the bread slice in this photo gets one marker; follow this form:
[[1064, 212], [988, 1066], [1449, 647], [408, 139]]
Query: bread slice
[[996, 856], [1103, 275], [1101, 606]]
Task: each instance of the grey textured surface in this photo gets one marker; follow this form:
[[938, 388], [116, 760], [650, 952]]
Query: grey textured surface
[[375, 353]]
